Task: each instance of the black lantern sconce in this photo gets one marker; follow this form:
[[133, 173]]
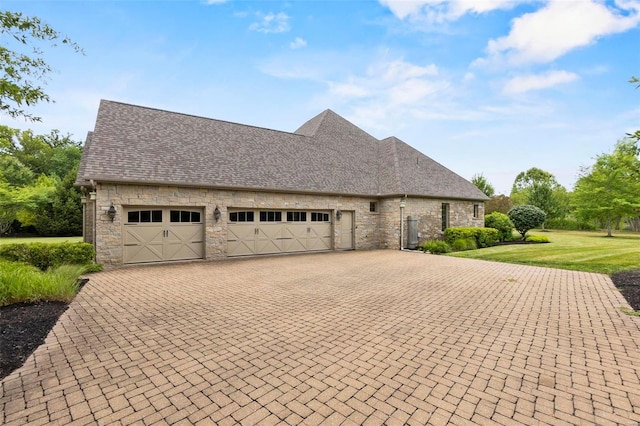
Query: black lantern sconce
[[339, 214], [217, 214], [112, 212]]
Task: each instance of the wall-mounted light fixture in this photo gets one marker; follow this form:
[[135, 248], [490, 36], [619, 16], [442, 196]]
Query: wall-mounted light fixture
[[217, 214], [112, 212], [339, 214]]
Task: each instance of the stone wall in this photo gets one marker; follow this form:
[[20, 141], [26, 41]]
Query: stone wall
[[373, 230]]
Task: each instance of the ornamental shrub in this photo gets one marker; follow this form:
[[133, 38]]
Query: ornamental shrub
[[502, 223], [484, 237], [525, 218], [436, 247], [48, 255], [463, 244]]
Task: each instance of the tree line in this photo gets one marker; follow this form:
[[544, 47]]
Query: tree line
[[606, 194]]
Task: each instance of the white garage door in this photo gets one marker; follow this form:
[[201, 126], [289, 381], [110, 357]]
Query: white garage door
[[271, 231], [162, 234]]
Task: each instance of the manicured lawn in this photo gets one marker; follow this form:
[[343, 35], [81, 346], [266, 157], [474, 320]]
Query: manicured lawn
[[11, 240], [576, 250]]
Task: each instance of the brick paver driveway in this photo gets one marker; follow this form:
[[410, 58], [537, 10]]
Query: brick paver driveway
[[379, 337]]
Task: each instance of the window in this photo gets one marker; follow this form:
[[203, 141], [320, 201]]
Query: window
[[373, 207], [184, 216], [144, 216], [445, 216], [319, 217], [476, 211], [241, 217], [270, 216], [296, 216]]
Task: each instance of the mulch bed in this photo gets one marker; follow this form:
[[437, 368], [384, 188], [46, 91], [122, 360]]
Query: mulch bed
[[24, 327]]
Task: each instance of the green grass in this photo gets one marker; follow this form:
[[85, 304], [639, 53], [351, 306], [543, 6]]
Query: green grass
[[12, 240], [20, 282], [575, 250]]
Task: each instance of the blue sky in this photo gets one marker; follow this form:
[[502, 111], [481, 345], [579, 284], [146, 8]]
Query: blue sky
[[481, 86]]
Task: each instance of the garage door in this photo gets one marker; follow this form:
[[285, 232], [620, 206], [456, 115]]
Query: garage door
[[163, 234], [269, 231]]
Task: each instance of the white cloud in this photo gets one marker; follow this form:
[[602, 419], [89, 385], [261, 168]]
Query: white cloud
[[271, 23], [526, 83], [298, 43], [445, 10], [559, 27]]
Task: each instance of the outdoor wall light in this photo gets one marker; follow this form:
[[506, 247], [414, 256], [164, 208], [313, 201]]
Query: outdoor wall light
[[112, 212], [339, 214], [217, 214]]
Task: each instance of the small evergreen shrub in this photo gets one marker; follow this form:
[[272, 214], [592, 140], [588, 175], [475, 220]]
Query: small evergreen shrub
[[502, 223], [484, 237], [525, 218], [537, 239], [48, 255], [436, 247], [463, 244]]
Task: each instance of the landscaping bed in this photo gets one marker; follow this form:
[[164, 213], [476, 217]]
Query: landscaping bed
[[628, 282]]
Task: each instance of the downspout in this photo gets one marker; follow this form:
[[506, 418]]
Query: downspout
[[403, 203]]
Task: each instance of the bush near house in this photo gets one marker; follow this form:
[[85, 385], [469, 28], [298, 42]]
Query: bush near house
[[47, 255], [464, 244], [537, 239], [435, 247], [484, 237], [502, 223]]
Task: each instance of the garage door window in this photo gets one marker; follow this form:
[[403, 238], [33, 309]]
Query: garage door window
[[184, 216], [241, 217], [319, 217], [296, 216], [144, 216], [270, 216]]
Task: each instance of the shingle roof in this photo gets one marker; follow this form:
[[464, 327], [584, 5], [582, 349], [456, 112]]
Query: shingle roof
[[327, 154]]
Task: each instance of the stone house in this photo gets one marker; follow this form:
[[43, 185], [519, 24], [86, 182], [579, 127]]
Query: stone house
[[162, 186]]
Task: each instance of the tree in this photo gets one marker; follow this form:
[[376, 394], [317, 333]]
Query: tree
[[483, 184], [610, 189], [540, 188], [61, 214], [23, 74], [525, 218], [498, 203]]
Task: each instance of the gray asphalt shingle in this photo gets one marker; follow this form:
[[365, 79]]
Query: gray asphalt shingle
[[327, 154]]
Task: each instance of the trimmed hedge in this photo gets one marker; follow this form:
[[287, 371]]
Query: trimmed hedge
[[569, 225], [484, 237], [48, 255], [502, 223], [537, 239]]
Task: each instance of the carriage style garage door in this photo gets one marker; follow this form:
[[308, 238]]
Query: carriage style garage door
[[269, 231], [161, 234]]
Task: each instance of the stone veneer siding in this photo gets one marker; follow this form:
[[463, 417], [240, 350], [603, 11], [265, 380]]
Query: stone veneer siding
[[373, 230]]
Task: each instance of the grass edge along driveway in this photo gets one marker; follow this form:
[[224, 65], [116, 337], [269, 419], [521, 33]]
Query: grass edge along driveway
[[574, 250]]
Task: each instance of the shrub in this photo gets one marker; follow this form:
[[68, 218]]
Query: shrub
[[463, 244], [20, 282], [436, 247], [525, 218], [537, 239], [47, 255], [502, 223], [484, 237], [569, 225]]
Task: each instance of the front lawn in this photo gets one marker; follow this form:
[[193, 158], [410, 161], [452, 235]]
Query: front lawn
[[576, 250]]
